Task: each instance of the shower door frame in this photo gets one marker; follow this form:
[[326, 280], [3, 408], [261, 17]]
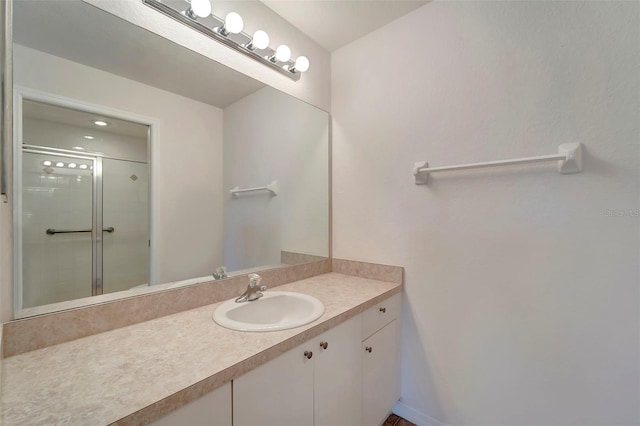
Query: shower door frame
[[21, 93]]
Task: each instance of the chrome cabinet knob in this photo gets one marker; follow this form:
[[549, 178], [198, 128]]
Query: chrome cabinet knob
[[308, 354], [383, 310], [324, 345], [368, 349]]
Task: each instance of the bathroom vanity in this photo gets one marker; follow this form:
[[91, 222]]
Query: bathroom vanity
[[346, 375], [186, 369]]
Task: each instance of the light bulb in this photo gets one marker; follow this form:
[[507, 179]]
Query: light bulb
[[283, 53], [72, 165], [89, 137], [83, 166], [100, 123], [233, 23], [301, 65], [260, 40], [59, 164], [201, 8], [46, 163]]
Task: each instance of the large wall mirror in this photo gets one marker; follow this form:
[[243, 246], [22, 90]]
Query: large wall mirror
[[132, 157]]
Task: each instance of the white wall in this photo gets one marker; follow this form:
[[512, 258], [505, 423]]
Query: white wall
[[287, 141], [313, 86], [187, 165], [521, 283]]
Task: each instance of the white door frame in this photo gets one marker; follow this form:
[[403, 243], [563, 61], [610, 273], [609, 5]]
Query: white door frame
[[21, 93]]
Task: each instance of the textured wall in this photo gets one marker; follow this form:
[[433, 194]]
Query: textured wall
[[521, 283]]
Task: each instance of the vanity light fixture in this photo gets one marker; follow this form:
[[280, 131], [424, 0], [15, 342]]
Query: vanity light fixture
[[282, 54], [260, 40], [198, 8], [233, 24], [301, 64], [228, 31]]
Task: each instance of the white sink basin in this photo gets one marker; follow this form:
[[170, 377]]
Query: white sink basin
[[276, 310]]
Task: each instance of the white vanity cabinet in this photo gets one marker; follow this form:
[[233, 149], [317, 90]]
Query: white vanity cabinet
[[212, 409], [337, 376], [347, 376], [279, 392], [380, 360], [316, 383]]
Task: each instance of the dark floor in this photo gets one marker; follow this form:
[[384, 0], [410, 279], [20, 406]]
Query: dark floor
[[394, 420]]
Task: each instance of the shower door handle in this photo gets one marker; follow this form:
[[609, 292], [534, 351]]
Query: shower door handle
[[52, 231]]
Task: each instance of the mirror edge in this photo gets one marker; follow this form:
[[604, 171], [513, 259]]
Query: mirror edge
[[6, 156]]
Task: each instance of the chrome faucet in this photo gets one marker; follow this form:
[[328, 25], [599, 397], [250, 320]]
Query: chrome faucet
[[220, 273], [254, 290]]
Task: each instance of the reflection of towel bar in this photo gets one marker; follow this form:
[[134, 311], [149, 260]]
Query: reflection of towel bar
[[52, 231], [272, 188]]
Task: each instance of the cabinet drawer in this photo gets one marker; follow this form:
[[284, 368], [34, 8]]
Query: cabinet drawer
[[376, 317]]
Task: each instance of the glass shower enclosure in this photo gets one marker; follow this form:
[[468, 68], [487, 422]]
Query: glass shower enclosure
[[83, 206]]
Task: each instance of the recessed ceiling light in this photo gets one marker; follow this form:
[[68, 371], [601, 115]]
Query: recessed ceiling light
[[89, 136], [79, 148], [100, 123]]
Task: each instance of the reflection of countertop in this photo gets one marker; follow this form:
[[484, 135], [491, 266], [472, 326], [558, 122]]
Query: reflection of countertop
[[150, 367]]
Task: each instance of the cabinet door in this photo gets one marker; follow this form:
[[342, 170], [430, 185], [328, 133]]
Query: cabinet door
[[380, 390], [278, 393], [213, 409], [338, 376]]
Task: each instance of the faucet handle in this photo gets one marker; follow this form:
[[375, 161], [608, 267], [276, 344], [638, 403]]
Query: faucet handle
[[254, 280]]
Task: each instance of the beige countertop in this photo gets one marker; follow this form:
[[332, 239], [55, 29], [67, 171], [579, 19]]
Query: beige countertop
[[135, 374]]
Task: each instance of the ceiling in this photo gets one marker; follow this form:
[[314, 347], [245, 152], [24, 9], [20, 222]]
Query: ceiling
[[335, 23], [82, 119]]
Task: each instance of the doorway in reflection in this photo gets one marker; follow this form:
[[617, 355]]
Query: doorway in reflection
[[84, 205]]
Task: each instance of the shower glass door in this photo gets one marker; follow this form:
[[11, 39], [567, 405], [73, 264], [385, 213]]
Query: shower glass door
[[125, 208], [57, 222]]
